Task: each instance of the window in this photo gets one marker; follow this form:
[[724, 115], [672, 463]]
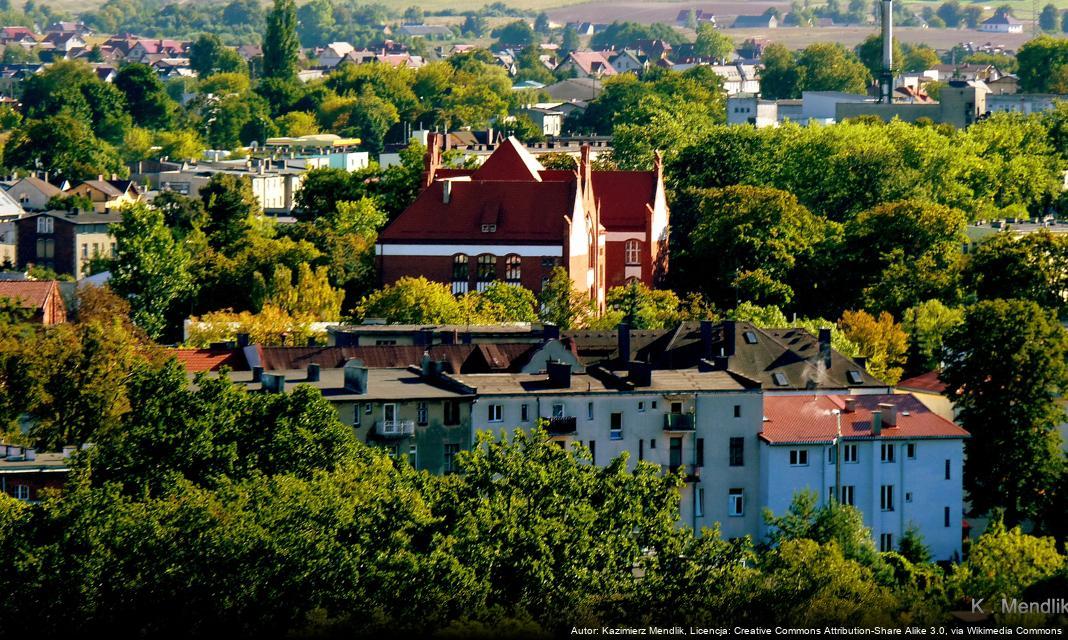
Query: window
[[591, 248], [854, 377], [421, 413], [750, 337], [886, 497], [45, 224], [947, 470], [413, 457], [849, 452], [653, 404], [798, 457], [593, 452], [487, 271], [489, 228], [493, 412], [459, 273], [385, 343], [737, 452], [832, 455], [22, 492], [908, 496], [641, 405], [737, 411], [524, 415], [356, 414], [676, 407], [699, 452], [46, 248], [452, 412], [652, 443], [450, 457], [886, 452], [85, 251], [780, 379], [847, 494], [945, 516], [886, 542], [513, 269], [558, 410], [675, 452], [632, 252], [910, 451], [616, 425], [367, 408], [735, 503], [589, 411], [699, 502], [641, 450]]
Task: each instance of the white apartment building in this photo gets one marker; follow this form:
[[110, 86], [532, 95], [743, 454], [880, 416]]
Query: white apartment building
[[901, 463]]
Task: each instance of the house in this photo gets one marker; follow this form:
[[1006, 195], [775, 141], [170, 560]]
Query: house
[[629, 61], [25, 474], [16, 34], [66, 26], [378, 334], [545, 117], [332, 54], [1001, 22], [587, 64], [896, 461], [1007, 84], [65, 241], [571, 89], [585, 28], [513, 220], [63, 41], [763, 21], [931, 391], [10, 212], [275, 185], [107, 195], [33, 193], [43, 297], [699, 15], [746, 108]]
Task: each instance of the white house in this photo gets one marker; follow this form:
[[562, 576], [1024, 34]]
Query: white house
[[901, 463], [1002, 22], [749, 109]]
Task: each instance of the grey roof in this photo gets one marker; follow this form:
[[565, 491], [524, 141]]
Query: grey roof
[[43, 462], [574, 89], [84, 217], [382, 384], [679, 381]]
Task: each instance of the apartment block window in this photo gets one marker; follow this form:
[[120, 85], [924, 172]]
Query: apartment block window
[[450, 457], [641, 405], [947, 470], [699, 452], [910, 451], [735, 503], [558, 410], [356, 414], [675, 453], [676, 407], [413, 456], [493, 412], [22, 492], [798, 457], [832, 455], [421, 414], [908, 496], [653, 403], [945, 516], [886, 452], [699, 502], [737, 411], [513, 269], [593, 451], [460, 268], [737, 452], [589, 411], [886, 542], [848, 491], [85, 251], [849, 453], [616, 426], [632, 251], [641, 450], [452, 413], [886, 497], [487, 271], [652, 443], [45, 224], [524, 413]]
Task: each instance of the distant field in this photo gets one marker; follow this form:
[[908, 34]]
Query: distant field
[[795, 38]]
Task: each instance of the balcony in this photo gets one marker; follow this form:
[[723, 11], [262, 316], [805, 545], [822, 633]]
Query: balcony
[[562, 426], [690, 472], [395, 428], [678, 422]]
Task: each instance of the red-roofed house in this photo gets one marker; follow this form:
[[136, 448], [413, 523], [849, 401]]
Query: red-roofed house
[[513, 220], [897, 461], [41, 296], [587, 64], [931, 391]]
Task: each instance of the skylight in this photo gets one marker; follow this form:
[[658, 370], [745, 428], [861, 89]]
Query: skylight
[[750, 337], [854, 377], [780, 378]]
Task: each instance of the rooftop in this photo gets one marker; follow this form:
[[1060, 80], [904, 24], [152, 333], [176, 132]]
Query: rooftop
[[382, 384], [803, 419]]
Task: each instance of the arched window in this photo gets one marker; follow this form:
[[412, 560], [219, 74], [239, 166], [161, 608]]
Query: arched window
[[632, 252], [459, 273], [487, 271], [513, 269]]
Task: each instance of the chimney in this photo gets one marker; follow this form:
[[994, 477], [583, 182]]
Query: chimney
[[242, 340], [623, 341], [355, 376], [825, 347], [889, 412], [100, 177], [432, 160], [850, 405], [559, 374], [876, 422], [313, 372], [730, 336], [29, 454], [640, 374], [257, 374], [273, 382], [550, 331], [585, 166], [426, 364], [706, 338]]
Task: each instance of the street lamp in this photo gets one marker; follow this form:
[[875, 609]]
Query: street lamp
[[837, 456]]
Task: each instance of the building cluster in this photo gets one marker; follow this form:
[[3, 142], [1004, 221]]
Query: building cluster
[[748, 416]]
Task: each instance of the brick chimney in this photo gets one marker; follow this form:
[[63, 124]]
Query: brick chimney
[[432, 161]]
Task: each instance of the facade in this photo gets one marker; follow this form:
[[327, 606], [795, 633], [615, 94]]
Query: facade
[[513, 220], [1002, 22], [274, 187], [33, 193], [749, 109], [42, 297], [763, 21], [25, 473], [107, 195], [901, 464], [548, 119], [65, 241]]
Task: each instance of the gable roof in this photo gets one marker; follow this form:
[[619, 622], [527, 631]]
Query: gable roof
[[197, 360], [592, 63], [46, 188], [925, 382], [30, 294], [510, 161], [805, 419], [103, 186]]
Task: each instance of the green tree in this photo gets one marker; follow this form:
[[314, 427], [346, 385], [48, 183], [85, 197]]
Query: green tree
[[880, 340], [830, 522], [781, 77], [912, 547], [515, 34], [1040, 61], [146, 97], [1029, 268], [150, 269], [870, 53], [563, 305], [307, 294], [72, 88], [1008, 404], [64, 146], [831, 67], [505, 302], [230, 205], [569, 41], [713, 44], [950, 13], [927, 324], [642, 307], [413, 301], [208, 56], [1047, 20], [1003, 563], [919, 57], [281, 47], [315, 22]]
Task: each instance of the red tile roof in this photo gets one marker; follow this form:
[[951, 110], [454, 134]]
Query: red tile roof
[[196, 360], [510, 161], [928, 382], [31, 294], [808, 418]]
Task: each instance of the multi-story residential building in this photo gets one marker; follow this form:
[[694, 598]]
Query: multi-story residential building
[[513, 220], [107, 195], [25, 473], [704, 424], [65, 241], [896, 461]]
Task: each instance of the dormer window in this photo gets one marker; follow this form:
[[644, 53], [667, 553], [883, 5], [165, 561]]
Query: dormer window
[[854, 377], [780, 379], [45, 224], [750, 337], [489, 228]]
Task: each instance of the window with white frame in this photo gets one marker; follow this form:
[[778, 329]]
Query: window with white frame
[[422, 413], [886, 497], [849, 453], [493, 412], [589, 411], [798, 457], [487, 271], [460, 266], [45, 224], [699, 502], [22, 492], [632, 252], [735, 503], [886, 452], [513, 269], [558, 410], [616, 426]]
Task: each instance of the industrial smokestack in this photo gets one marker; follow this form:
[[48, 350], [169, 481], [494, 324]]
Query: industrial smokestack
[[886, 82]]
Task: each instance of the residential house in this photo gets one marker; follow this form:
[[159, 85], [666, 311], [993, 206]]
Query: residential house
[[107, 195], [763, 21], [745, 108], [381, 334], [42, 297], [33, 193], [25, 474], [65, 241], [275, 185], [931, 391], [67, 26], [16, 34], [699, 15], [63, 41], [332, 54], [1001, 22], [575, 89], [737, 78], [545, 116], [1007, 84], [629, 61], [896, 461], [585, 28], [587, 64], [10, 212], [513, 220]]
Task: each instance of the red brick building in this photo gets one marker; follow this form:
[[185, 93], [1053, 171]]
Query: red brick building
[[24, 473], [513, 220], [42, 297]]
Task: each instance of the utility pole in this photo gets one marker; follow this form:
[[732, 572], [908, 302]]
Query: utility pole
[[886, 80]]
